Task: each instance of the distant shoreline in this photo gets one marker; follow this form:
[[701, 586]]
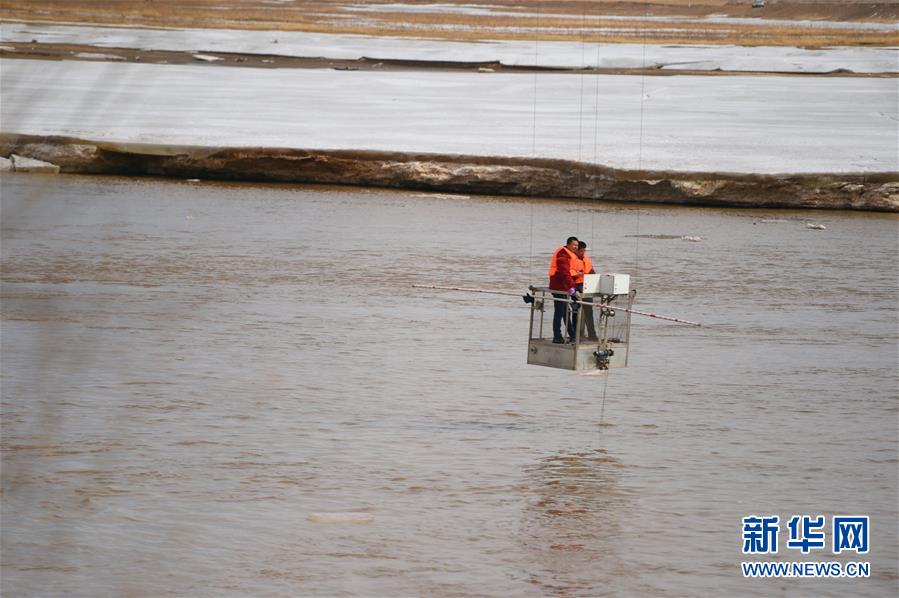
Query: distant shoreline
[[90, 53], [464, 174], [607, 21]]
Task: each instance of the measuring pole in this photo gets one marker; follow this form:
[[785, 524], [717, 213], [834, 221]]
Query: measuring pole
[[562, 300]]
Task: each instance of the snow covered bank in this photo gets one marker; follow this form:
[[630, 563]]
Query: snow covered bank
[[561, 54], [760, 125]]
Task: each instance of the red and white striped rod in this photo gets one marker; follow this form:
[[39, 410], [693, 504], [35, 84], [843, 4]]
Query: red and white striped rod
[[563, 300]]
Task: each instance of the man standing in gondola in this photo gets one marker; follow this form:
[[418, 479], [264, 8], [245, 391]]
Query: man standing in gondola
[[585, 311], [563, 267]]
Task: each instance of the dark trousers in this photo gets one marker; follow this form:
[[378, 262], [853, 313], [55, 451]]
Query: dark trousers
[[560, 312], [587, 315]]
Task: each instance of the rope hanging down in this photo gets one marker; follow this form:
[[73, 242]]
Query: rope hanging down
[[602, 410], [564, 300]]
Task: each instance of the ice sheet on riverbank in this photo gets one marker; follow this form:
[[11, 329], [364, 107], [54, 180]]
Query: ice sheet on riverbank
[[731, 124], [513, 53]]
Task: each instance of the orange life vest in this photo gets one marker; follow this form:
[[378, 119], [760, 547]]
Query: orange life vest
[[572, 259], [587, 265]]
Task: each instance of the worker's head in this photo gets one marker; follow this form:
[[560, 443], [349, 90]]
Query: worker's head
[[581, 249], [572, 244]]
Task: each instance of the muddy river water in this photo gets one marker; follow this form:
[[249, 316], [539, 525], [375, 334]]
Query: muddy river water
[[227, 389]]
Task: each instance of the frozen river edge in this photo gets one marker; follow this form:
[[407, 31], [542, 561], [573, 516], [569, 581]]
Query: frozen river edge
[[468, 174]]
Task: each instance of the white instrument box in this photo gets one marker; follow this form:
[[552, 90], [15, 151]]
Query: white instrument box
[[607, 284]]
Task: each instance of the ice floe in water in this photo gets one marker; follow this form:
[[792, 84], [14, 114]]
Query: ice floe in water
[[345, 517]]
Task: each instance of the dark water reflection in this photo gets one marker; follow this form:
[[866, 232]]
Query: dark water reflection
[[575, 520], [232, 389]]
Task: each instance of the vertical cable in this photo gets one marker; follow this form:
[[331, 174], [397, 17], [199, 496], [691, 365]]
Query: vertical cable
[[534, 141], [595, 144], [640, 145], [580, 112]]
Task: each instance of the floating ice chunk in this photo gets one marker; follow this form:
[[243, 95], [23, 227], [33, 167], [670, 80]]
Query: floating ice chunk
[[207, 58], [815, 226], [23, 164], [348, 517], [441, 195], [98, 56], [692, 238]]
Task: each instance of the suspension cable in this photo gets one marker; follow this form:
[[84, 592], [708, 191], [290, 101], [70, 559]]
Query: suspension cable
[[580, 113], [534, 139], [640, 144], [605, 384], [595, 146]]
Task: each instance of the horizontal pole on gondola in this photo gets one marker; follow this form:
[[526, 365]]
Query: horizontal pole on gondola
[[566, 299], [465, 290]]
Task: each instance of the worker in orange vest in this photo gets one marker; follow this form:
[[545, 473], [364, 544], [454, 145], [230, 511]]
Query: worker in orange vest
[[563, 267], [587, 268]]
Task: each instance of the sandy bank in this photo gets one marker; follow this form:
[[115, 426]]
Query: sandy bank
[[464, 174], [809, 23]]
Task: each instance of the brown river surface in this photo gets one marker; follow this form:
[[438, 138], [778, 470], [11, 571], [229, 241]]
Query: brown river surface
[[228, 389]]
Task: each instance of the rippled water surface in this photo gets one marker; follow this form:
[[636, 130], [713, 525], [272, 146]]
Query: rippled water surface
[[214, 389]]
